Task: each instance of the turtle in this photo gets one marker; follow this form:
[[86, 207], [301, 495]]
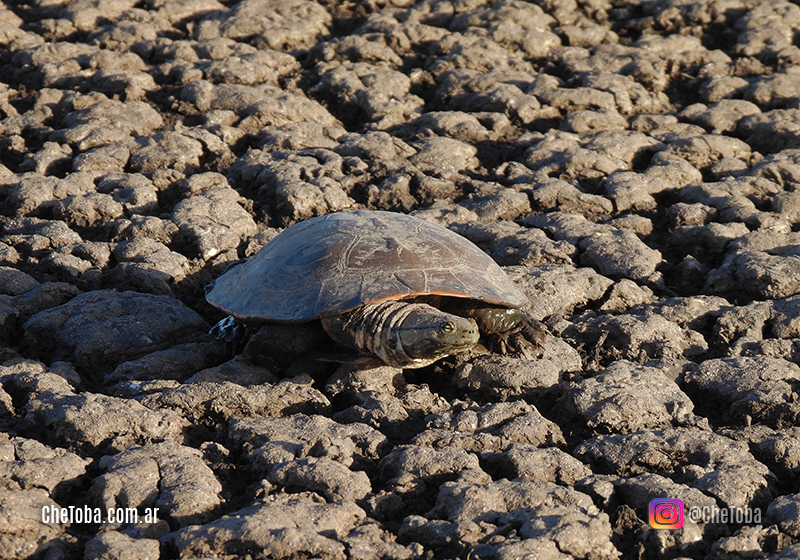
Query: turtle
[[389, 286]]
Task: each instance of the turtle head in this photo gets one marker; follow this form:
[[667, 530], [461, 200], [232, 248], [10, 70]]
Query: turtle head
[[403, 334], [427, 334]]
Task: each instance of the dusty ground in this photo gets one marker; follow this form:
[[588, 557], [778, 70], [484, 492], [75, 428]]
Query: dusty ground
[[632, 164]]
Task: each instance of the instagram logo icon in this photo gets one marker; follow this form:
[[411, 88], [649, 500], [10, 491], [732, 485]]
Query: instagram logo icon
[[666, 513]]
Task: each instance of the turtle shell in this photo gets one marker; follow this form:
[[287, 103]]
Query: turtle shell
[[332, 264]]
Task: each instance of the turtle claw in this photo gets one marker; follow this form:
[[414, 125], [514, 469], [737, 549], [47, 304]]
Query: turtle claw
[[521, 345], [533, 332], [509, 330], [515, 343]]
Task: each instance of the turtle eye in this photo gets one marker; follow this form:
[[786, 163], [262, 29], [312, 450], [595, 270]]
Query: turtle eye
[[448, 327]]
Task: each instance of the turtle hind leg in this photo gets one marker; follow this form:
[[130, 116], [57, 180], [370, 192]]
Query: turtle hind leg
[[231, 330]]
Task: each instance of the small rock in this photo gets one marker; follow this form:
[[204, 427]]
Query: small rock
[[277, 440], [113, 544], [26, 532], [167, 476], [715, 465], [92, 422], [107, 327], [279, 526], [625, 398], [620, 254], [746, 388], [229, 400], [329, 478], [785, 511]]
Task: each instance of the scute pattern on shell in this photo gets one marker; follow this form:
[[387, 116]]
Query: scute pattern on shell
[[329, 265]]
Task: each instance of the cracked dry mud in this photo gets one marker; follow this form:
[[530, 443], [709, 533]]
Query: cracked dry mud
[[632, 164]]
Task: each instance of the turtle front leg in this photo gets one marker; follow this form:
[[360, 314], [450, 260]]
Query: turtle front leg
[[508, 330]]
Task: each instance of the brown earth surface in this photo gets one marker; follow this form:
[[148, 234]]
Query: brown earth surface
[[632, 164]]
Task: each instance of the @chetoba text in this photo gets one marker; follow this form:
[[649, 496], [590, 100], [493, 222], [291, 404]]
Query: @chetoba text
[[666, 513]]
